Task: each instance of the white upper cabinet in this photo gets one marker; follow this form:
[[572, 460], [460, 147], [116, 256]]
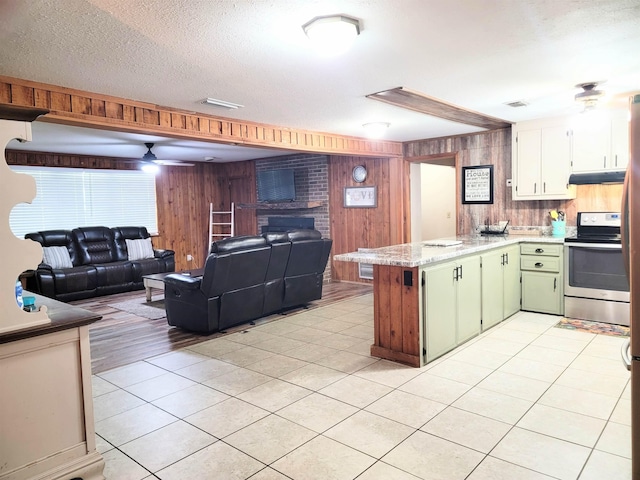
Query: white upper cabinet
[[541, 159], [600, 141]]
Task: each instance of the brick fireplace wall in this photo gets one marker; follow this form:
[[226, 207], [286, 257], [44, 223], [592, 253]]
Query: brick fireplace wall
[[311, 176]]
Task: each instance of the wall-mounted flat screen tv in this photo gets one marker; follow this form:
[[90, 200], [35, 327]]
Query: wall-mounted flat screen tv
[[276, 186]]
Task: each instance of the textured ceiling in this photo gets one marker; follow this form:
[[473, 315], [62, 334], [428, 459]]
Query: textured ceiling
[[478, 54]]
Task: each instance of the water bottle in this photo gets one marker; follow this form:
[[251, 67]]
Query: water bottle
[[19, 294]]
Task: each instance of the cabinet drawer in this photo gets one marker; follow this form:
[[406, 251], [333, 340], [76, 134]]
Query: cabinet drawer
[[546, 249], [540, 264]]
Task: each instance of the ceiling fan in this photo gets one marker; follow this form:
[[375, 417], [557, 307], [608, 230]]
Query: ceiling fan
[[150, 157]]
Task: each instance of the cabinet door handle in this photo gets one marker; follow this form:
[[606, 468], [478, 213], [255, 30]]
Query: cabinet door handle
[[502, 259], [460, 267], [535, 186], [555, 284], [506, 256], [544, 186], [616, 159], [539, 250], [605, 161], [455, 274], [539, 265]]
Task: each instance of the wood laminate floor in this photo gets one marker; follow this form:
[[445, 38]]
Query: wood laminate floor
[[121, 338]]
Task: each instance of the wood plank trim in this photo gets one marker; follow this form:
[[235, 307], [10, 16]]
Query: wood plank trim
[[396, 315], [76, 107], [419, 102], [400, 357]]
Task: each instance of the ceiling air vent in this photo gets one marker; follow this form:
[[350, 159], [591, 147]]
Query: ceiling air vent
[[517, 103]]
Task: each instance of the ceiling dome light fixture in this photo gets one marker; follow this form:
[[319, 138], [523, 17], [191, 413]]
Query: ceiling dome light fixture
[[376, 129], [589, 95], [332, 34]]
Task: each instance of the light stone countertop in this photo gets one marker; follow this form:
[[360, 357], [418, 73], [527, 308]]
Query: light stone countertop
[[418, 254]]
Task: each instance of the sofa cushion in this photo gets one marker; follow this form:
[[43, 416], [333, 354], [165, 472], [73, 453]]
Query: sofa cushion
[[56, 257], [95, 244], [56, 238], [299, 234], [120, 234], [139, 249], [114, 273], [241, 242]]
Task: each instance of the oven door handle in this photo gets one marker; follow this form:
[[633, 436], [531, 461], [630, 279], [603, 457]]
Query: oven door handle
[[608, 246]]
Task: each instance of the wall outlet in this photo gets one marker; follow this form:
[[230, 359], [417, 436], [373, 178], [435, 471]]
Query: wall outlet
[[509, 182], [189, 258]]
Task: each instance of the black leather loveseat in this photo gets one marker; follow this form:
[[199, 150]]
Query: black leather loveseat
[[248, 277], [91, 261]]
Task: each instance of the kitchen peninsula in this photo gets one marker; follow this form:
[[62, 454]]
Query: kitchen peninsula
[[431, 296]]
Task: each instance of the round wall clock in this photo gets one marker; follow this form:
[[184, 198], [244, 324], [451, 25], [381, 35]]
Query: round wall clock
[[359, 173]]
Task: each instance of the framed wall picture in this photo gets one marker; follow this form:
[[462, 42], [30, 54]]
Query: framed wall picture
[[477, 184], [361, 197]]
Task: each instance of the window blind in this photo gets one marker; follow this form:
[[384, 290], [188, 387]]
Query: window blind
[[72, 197]]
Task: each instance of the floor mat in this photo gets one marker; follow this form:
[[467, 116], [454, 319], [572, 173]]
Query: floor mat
[[593, 327], [139, 306]]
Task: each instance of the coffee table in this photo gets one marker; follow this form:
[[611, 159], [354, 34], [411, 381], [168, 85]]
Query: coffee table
[[157, 279]]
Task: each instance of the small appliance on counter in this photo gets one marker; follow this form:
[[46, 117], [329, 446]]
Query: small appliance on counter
[[501, 229]]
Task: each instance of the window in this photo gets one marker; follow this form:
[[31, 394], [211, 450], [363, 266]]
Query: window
[[72, 197]]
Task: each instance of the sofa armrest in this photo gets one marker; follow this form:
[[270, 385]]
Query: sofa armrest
[[44, 267], [163, 253], [183, 282]]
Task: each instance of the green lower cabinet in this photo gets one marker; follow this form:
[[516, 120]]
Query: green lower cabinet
[[500, 285], [492, 288], [452, 305], [511, 287], [542, 278], [440, 309], [542, 292], [469, 299]]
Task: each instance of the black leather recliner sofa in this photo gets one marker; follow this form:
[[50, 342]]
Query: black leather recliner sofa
[[248, 277], [99, 263]]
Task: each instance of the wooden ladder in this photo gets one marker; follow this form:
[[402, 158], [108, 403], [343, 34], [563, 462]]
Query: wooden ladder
[[215, 221]]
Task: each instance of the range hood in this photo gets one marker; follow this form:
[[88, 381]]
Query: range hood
[[595, 178]]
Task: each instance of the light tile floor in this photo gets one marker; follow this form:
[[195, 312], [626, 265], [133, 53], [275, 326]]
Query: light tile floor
[[301, 398]]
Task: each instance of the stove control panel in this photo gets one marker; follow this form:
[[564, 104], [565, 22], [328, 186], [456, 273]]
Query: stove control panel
[[599, 219]]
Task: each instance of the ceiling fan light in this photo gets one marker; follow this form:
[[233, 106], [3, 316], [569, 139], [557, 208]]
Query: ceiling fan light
[[150, 167], [332, 34], [589, 96]]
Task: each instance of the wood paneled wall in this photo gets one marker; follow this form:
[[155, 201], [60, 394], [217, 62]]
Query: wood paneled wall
[[494, 148], [183, 195], [352, 228]]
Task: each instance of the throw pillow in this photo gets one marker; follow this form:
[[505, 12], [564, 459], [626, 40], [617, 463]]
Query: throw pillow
[[139, 249], [56, 257]]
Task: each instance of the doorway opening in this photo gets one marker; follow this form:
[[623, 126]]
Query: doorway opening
[[433, 198]]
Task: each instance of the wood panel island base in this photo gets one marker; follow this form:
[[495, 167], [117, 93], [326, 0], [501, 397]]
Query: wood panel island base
[[429, 299], [397, 327]]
